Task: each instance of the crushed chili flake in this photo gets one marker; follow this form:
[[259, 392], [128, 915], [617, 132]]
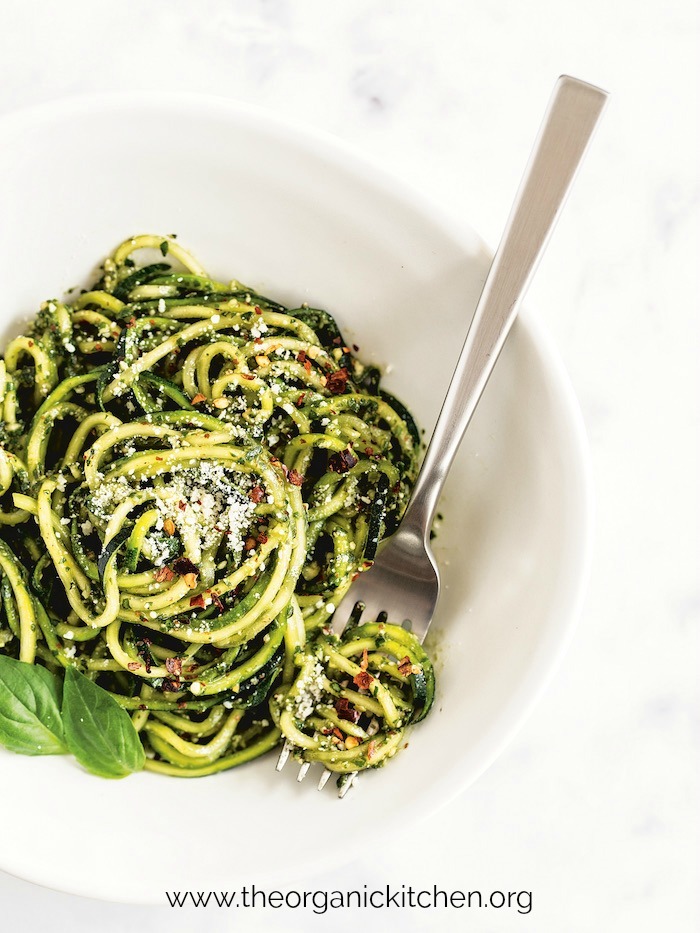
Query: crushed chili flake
[[337, 341], [216, 600], [300, 400], [164, 575], [169, 526], [199, 398], [248, 376], [134, 665], [257, 494], [307, 366], [345, 711], [174, 666], [301, 356], [183, 565], [170, 686], [370, 749], [262, 538], [365, 660], [258, 310], [342, 461], [405, 666], [336, 382], [363, 680], [249, 544], [337, 733], [131, 322], [197, 601], [142, 648], [296, 479]]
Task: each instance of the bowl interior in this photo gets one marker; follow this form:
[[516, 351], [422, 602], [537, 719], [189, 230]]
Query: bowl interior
[[295, 216]]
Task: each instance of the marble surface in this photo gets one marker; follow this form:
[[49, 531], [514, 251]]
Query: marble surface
[[594, 806]]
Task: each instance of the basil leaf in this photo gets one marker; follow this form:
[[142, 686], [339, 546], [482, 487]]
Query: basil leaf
[[98, 731], [30, 717]]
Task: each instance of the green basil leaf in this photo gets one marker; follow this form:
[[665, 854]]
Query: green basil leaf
[[30, 716], [98, 731]]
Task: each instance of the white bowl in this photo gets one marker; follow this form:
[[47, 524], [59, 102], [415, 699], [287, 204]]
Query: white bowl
[[294, 214]]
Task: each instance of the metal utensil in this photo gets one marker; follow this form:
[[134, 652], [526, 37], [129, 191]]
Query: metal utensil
[[404, 581]]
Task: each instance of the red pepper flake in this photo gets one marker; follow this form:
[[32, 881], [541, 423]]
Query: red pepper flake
[[307, 366], [337, 341], [249, 544], [183, 566], [164, 575], [182, 704], [300, 400], [248, 376], [371, 749], [98, 347], [257, 340], [301, 356], [365, 660], [181, 505], [197, 602], [258, 310], [199, 398], [30, 343], [142, 706], [174, 666], [342, 461], [337, 381], [216, 600], [262, 538], [337, 733], [363, 680], [257, 494], [134, 665], [296, 479], [369, 451], [405, 666], [345, 711], [159, 458], [131, 322], [170, 686]]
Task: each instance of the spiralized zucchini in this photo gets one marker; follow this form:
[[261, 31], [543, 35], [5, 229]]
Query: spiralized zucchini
[[191, 476]]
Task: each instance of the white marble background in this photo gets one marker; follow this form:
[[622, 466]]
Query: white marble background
[[594, 807]]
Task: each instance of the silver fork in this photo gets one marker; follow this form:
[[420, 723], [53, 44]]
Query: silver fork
[[405, 577]]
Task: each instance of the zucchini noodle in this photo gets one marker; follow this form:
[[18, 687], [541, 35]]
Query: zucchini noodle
[[191, 476]]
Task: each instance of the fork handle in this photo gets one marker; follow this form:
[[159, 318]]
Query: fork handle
[[569, 122]]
